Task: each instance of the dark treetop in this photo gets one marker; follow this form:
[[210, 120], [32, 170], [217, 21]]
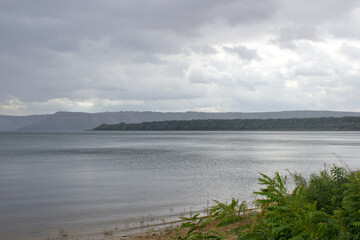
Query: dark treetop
[[293, 124]]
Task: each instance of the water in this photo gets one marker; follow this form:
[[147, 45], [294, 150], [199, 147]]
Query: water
[[85, 181]]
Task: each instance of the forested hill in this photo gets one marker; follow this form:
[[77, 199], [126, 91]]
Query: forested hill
[[69, 121], [293, 124]]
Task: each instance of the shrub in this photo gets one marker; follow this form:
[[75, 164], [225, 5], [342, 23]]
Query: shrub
[[327, 206]]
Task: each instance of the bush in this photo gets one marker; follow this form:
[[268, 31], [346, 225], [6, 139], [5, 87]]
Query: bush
[[327, 206]]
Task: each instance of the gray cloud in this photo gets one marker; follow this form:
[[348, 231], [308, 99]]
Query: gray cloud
[[311, 69], [289, 34], [350, 51], [204, 50], [178, 55], [243, 52]]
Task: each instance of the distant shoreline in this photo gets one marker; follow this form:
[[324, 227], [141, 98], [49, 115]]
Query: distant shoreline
[[64, 121], [292, 124]]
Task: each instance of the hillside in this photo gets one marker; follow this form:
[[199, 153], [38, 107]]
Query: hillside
[[11, 123], [65, 121]]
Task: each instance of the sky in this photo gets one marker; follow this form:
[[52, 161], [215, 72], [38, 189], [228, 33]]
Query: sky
[[179, 55]]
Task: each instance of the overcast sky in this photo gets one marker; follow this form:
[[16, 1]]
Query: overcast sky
[[179, 55]]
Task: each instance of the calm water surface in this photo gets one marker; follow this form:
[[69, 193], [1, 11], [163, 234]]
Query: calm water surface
[[90, 180]]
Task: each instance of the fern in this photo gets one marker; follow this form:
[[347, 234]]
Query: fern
[[325, 207], [289, 215], [195, 226]]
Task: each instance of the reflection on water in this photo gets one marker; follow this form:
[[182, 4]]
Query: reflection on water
[[83, 180]]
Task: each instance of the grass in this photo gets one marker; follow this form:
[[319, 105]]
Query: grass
[[108, 232], [63, 234]]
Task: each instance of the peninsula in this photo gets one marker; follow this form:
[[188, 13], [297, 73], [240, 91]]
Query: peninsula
[[292, 124]]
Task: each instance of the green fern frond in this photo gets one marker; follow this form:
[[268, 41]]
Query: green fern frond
[[355, 224]]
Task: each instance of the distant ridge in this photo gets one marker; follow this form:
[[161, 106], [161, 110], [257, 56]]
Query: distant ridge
[[11, 123], [72, 121]]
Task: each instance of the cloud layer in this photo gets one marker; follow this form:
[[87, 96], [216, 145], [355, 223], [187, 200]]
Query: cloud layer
[[202, 55]]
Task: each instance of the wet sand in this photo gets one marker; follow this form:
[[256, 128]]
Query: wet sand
[[167, 233], [145, 230], [161, 231]]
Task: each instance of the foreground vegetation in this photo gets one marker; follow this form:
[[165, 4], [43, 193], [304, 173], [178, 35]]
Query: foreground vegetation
[[329, 124], [326, 206]]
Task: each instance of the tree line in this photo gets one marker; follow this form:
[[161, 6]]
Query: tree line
[[292, 124]]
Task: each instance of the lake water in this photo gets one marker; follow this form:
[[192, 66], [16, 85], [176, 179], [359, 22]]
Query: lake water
[[86, 181]]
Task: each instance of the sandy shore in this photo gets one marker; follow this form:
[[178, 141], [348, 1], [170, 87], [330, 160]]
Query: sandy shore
[[168, 233], [144, 230], [166, 230], [160, 231], [155, 231]]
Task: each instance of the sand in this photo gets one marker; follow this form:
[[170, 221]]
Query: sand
[[168, 231]]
